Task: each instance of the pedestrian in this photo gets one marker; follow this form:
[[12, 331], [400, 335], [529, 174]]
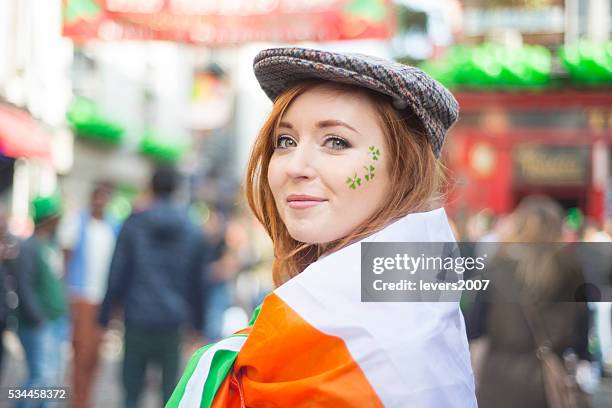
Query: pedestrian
[[7, 255], [530, 308], [156, 279], [43, 303], [217, 276], [88, 240], [348, 155], [595, 254]]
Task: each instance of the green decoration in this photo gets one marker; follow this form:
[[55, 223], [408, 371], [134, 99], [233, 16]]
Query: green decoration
[[369, 172], [588, 63], [491, 65], [87, 122], [375, 152], [370, 10], [353, 182], [81, 10], [161, 150]]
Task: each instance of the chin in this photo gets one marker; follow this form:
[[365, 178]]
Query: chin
[[305, 238], [308, 235]]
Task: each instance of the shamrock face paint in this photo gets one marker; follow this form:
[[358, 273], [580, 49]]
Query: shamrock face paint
[[375, 152], [355, 181], [327, 173], [369, 172]]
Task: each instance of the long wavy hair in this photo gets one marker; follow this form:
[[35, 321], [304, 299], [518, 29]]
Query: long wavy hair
[[416, 175], [536, 229]]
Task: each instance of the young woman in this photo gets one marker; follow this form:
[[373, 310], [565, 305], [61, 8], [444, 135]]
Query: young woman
[[531, 302], [349, 154]]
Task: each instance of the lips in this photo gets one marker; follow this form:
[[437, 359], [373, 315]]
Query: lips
[[304, 197], [301, 201]]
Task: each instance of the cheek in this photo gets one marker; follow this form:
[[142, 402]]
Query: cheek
[[360, 178], [274, 176], [371, 188]]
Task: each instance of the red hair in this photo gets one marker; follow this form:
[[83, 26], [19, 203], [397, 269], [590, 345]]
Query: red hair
[[415, 174]]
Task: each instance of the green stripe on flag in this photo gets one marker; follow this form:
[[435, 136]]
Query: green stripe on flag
[[220, 365], [219, 368], [175, 399], [255, 314]]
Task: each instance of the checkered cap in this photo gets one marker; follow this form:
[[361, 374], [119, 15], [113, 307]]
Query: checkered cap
[[277, 69]]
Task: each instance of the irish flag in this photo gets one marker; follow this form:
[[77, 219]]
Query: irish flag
[[313, 343]]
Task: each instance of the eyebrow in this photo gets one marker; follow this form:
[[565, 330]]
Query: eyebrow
[[323, 124]]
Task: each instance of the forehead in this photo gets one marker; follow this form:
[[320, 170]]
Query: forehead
[[324, 102]]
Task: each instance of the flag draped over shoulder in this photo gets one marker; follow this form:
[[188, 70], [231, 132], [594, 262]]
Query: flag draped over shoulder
[[314, 343]]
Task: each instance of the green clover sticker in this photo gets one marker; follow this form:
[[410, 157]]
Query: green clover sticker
[[369, 172], [353, 182], [375, 152]]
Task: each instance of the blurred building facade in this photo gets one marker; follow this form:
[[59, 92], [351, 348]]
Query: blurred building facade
[[117, 86], [509, 145], [547, 22], [35, 143], [552, 137], [178, 74]]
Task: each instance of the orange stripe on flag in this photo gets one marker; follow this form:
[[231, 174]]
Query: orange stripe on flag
[[246, 330], [286, 362], [225, 397]]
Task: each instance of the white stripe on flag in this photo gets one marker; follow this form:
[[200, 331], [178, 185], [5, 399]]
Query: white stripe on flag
[[413, 354], [195, 386]]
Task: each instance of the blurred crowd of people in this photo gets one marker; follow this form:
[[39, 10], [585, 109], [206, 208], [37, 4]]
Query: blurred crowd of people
[[543, 305], [170, 280], [166, 277]]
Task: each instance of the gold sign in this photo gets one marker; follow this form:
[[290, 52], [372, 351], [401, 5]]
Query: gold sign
[[551, 165]]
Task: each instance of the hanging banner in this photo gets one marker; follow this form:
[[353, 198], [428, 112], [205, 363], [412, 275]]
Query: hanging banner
[[214, 22]]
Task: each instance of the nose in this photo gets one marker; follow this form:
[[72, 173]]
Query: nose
[[301, 162]]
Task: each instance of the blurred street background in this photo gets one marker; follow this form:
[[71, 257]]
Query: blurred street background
[[96, 94]]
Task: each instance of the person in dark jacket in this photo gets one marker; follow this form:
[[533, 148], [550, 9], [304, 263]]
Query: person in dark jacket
[[156, 278], [8, 251]]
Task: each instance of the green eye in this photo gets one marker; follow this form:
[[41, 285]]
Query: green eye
[[284, 142], [336, 143]]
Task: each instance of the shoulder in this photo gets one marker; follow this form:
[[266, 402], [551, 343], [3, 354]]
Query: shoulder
[[134, 219]]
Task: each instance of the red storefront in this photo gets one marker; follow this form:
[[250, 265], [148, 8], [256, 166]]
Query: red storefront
[[21, 136], [508, 145]]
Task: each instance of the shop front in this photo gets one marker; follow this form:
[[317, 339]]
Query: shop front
[[507, 146], [26, 163]]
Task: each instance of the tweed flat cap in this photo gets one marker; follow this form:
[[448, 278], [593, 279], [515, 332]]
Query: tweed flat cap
[[277, 69]]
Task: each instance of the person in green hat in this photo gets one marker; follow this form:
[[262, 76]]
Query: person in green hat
[[43, 307]]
